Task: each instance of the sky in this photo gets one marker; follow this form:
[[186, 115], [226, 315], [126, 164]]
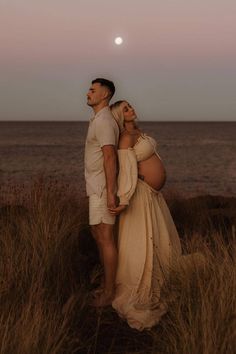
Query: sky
[[177, 61]]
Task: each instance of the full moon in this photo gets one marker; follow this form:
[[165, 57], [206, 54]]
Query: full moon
[[118, 40]]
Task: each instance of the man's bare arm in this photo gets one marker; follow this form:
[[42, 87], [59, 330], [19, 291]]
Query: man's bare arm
[[110, 167]]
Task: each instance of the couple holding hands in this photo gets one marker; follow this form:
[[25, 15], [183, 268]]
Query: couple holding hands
[[124, 175]]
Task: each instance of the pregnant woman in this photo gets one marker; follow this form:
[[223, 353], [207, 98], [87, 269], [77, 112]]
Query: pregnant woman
[[148, 242]]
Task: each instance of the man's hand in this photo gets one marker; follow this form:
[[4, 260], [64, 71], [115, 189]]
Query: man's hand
[[117, 210]]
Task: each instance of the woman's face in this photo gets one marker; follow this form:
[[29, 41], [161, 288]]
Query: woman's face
[[128, 112]]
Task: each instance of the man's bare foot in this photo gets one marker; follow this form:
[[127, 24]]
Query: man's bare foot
[[97, 291], [100, 288], [103, 299]]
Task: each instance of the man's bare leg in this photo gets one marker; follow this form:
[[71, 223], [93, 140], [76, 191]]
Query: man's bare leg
[[105, 241], [95, 232]]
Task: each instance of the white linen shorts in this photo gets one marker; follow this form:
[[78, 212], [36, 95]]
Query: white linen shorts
[[98, 212]]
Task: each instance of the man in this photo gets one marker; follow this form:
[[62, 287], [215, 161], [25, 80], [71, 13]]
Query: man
[[100, 176]]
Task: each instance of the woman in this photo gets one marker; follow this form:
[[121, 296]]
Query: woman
[[148, 242]]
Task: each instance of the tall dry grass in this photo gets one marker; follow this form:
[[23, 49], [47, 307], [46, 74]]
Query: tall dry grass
[[47, 262]]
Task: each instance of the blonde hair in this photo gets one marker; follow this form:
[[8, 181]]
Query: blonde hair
[[118, 113]]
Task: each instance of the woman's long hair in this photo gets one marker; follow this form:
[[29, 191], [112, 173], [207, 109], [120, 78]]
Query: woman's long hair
[[118, 114]]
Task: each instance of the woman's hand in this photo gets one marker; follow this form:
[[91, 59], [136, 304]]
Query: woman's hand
[[117, 210]]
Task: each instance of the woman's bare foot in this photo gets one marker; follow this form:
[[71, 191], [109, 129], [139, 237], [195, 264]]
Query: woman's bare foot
[[103, 299]]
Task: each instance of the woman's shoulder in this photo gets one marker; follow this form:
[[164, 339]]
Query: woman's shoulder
[[129, 139], [125, 140]]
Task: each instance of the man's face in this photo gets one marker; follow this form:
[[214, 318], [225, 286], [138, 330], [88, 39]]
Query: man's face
[[96, 94]]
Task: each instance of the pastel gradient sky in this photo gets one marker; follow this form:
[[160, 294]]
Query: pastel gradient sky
[[177, 62]]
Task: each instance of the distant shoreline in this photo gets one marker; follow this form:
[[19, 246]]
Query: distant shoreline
[[140, 122]]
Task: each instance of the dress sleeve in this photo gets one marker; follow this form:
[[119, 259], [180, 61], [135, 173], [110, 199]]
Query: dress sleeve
[[128, 175]]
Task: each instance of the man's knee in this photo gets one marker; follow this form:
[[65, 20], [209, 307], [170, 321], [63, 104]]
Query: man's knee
[[95, 230], [103, 233]]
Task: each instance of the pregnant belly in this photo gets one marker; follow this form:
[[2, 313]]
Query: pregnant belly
[[153, 172]]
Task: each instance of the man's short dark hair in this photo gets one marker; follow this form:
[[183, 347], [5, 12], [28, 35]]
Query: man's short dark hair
[[107, 83]]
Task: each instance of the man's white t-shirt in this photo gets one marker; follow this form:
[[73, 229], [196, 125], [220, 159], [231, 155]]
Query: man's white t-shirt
[[103, 130]]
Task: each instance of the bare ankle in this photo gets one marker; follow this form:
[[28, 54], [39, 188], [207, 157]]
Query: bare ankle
[[103, 299], [109, 292]]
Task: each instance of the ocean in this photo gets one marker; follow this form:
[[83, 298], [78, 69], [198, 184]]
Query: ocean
[[199, 157]]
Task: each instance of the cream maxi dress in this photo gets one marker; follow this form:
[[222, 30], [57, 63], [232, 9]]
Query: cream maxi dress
[[148, 242]]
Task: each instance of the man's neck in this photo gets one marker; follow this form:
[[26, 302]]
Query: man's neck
[[99, 107]]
